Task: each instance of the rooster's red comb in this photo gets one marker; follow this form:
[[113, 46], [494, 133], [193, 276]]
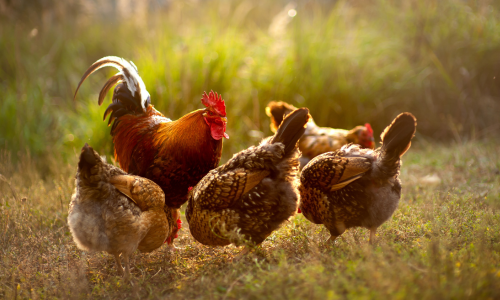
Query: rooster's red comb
[[369, 129], [214, 101]]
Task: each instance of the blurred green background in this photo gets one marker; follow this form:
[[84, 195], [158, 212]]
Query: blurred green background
[[350, 62]]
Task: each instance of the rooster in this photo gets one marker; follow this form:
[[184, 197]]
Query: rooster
[[317, 140], [173, 154], [253, 193], [118, 213], [357, 187]]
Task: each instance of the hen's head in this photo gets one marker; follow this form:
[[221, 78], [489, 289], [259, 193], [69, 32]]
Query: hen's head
[[215, 114], [277, 112], [365, 136]]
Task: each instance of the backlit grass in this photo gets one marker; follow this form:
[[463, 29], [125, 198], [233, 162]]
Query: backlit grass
[[350, 62]]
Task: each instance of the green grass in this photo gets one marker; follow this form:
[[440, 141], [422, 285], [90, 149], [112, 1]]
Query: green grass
[[443, 242], [349, 62]]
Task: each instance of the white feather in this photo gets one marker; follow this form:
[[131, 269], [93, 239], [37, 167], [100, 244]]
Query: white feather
[[134, 81]]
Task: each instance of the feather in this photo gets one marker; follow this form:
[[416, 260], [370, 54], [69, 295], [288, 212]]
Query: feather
[[291, 129], [396, 138], [118, 113], [87, 160], [111, 107], [122, 94], [111, 82], [128, 73]]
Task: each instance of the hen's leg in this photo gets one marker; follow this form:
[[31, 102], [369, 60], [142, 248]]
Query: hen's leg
[[372, 235], [127, 267], [335, 231], [119, 267], [331, 239]]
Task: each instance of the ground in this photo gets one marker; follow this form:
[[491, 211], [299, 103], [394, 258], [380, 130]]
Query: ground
[[442, 242]]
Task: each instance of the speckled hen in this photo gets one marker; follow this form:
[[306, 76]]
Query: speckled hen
[[253, 193], [357, 187], [118, 213]]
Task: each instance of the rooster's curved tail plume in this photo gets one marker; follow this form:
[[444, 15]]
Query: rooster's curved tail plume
[[129, 97]]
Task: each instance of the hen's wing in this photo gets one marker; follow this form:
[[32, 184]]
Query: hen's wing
[[330, 172], [222, 189], [143, 192]]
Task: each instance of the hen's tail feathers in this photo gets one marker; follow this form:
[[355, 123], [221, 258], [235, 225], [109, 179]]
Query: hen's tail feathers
[[396, 140], [129, 97], [291, 129], [277, 111], [88, 159]]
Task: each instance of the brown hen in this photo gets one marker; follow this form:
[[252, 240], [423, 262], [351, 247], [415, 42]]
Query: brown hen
[[357, 187], [253, 193], [117, 213], [318, 140]]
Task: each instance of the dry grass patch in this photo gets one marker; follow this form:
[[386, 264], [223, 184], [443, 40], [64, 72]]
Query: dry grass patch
[[442, 242]]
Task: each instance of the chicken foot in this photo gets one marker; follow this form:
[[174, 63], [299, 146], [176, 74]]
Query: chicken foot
[[119, 267], [127, 267]]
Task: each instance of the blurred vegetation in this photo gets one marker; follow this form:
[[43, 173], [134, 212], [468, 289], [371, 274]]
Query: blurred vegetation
[[350, 62]]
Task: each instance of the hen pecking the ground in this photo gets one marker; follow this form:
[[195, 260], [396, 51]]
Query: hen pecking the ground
[[118, 213], [252, 194], [357, 187]]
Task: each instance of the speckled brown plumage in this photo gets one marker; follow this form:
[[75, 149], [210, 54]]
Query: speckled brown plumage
[[115, 212], [318, 140], [357, 187], [253, 193]]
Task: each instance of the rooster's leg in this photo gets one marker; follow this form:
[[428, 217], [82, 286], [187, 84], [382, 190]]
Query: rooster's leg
[[372, 235], [119, 267]]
